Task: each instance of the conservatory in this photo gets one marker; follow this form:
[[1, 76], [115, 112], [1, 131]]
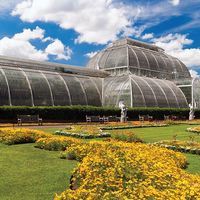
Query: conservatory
[[140, 74]]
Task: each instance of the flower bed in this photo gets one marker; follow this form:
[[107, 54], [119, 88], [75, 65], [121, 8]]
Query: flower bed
[[86, 132], [130, 126], [83, 135], [56, 143], [20, 135], [194, 130], [126, 136], [118, 170], [182, 146]]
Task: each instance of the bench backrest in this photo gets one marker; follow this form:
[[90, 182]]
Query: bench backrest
[[28, 117], [113, 118]]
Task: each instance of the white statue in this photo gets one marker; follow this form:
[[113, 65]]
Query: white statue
[[123, 108], [191, 114]]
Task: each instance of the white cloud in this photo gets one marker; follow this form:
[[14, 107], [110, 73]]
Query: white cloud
[[59, 50], [29, 34], [47, 39], [91, 54], [96, 21], [8, 4], [174, 44], [175, 2], [194, 74], [147, 36], [20, 46]]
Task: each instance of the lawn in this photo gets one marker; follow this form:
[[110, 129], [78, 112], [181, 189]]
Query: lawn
[[31, 173], [154, 134], [194, 161], [163, 133]]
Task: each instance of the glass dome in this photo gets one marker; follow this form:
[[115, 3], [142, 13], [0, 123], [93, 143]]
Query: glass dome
[[142, 59]]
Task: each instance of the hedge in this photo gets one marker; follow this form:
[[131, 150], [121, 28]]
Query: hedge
[[78, 113]]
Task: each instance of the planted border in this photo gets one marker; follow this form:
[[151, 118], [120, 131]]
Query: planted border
[[181, 146], [83, 135]]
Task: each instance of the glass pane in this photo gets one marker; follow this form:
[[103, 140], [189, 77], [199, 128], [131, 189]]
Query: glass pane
[[59, 90], [19, 89], [4, 98], [77, 93], [40, 88]]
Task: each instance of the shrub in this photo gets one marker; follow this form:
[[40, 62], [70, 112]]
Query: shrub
[[78, 113], [20, 135]]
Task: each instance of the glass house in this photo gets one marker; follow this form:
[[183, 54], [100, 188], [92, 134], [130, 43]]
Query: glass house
[[140, 74]]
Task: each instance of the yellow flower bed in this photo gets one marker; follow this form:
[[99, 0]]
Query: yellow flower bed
[[93, 130], [56, 143], [118, 170], [20, 135], [195, 129]]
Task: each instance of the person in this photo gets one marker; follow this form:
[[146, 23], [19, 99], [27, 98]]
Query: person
[[123, 108]]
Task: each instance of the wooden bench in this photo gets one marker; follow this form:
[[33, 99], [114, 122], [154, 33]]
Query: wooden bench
[[29, 119], [111, 118], [174, 117], [145, 118], [94, 118], [103, 119]]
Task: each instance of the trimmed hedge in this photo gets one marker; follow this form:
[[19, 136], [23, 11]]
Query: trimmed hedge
[[78, 113]]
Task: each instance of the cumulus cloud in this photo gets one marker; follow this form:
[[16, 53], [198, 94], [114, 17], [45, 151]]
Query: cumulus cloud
[[174, 44], [8, 4], [147, 36], [20, 46], [91, 54], [29, 34], [96, 21], [175, 2], [57, 49]]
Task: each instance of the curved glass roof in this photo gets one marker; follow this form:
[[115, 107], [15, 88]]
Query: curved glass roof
[[138, 91], [21, 86], [141, 59], [47, 66]]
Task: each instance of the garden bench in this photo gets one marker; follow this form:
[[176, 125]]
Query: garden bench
[[94, 118], [171, 117], [98, 118], [174, 117], [145, 118], [28, 119], [111, 118]]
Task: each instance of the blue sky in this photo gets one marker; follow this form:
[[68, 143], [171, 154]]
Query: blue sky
[[71, 31]]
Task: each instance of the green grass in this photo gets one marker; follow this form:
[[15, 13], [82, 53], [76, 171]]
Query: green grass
[[154, 134], [193, 161], [28, 173], [34, 174]]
